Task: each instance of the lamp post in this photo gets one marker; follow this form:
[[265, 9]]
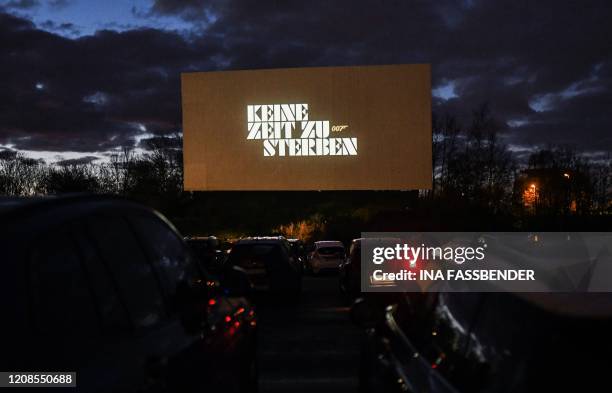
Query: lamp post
[[568, 195]]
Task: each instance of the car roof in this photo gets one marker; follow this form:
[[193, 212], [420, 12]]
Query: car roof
[[33, 214], [261, 240], [8, 204], [200, 238], [329, 243]]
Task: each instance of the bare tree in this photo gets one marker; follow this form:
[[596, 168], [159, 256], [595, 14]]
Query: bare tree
[[21, 176], [475, 166]]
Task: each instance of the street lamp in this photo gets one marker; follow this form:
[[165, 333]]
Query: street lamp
[[532, 195]]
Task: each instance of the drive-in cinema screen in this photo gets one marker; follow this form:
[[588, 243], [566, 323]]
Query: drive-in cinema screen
[[328, 128]]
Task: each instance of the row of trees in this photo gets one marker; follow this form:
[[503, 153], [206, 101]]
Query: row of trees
[[473, 166], [471, 163], [154, 176]]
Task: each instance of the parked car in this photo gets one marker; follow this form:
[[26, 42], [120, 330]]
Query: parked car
[[327, 255], [108, 289], [297, 246], [206, 249], [269, 262], [487, 342]]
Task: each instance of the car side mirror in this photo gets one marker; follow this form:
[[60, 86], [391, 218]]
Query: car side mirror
[[364, 314]]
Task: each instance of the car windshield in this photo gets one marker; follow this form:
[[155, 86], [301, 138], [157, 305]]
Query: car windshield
[[198, 245], [252, 254], [328, 251]]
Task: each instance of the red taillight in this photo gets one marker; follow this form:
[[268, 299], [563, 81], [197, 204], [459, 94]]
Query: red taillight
[[212, 302], [228, 318]]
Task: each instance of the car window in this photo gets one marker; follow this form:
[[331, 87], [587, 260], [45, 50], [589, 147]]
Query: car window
[[298, 248], [329, 251], [285, 251], [200, 248], [287, 247], [207, 257], [112, 309], [62, 297], [13, 284], [255, 255], [125, 259], [170, 256]]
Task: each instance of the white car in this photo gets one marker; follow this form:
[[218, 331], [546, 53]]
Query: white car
[[328, 254]]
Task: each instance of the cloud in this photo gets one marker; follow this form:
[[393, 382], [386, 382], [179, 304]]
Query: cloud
[[77, 161], [91, 94], [544, 67], [65, 28], [188, 9], [20, 4], [59, 4]]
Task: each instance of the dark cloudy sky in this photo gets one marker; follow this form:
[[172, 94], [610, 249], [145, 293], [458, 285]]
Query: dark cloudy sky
[[85, 77]]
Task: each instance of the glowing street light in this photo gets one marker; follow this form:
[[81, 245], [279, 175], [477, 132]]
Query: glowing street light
[[530, 196]]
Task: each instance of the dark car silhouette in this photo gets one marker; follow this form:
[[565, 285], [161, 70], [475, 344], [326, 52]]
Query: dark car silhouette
[[108, 289], [487, 342], [299, 251], [206, 249], [270, 264]]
